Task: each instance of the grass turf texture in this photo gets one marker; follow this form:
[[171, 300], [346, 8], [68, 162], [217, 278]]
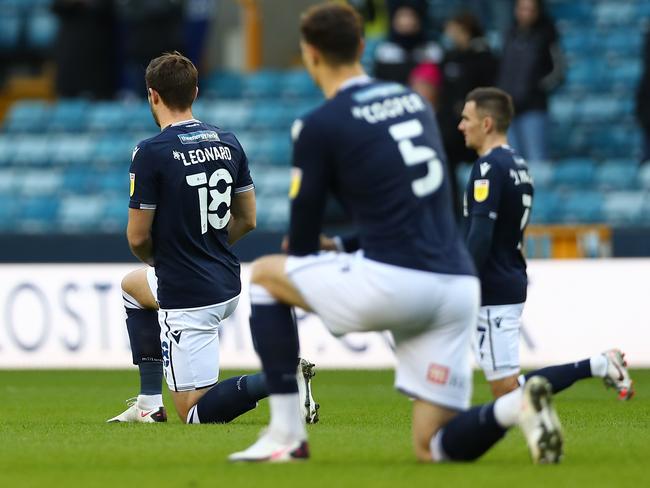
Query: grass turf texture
[[52, 433]]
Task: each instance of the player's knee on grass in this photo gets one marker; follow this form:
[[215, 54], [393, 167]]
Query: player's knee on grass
[[428, 419], [504, 385]]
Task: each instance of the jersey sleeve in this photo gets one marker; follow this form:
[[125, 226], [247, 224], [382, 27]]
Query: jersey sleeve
[[484, 190], [309, 186], [143, 177], [244, 180]]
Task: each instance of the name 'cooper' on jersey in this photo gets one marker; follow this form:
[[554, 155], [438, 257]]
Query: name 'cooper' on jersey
[[188, 173]]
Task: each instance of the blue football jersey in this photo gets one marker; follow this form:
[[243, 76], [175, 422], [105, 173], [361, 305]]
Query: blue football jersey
[[188, 174], [376, 147], [500, 188]]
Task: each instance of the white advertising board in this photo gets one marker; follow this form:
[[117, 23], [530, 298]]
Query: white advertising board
[[71, 316]]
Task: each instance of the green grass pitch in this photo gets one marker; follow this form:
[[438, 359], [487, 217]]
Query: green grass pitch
[[52, 433]]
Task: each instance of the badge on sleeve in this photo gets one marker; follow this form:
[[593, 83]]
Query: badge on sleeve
[[296, 179], [481, 190], [132, 187]]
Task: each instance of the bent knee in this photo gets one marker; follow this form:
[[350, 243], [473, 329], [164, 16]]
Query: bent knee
[[503, 386]]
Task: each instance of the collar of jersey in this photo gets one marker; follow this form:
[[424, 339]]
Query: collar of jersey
[[357, 80], [502, 146], [183, 122]]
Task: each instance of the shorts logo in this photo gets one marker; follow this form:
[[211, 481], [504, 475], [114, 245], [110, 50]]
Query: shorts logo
[[176, 335], [199, 136], [132, 187], [481, 190], [438, 374]]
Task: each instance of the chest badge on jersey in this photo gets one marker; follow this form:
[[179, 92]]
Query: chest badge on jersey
[[132, 186], [481, 190], [296, 179]]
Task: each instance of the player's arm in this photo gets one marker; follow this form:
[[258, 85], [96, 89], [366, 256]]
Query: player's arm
[[479, 239], [142, 204], [242, 215], [138, 233], [308, 191]]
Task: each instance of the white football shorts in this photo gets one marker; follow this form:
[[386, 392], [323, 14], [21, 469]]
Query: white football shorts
[[496, 342], [190, 342], [432, 317]]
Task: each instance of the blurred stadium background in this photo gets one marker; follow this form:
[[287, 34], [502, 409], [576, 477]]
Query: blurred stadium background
[[72, 107]]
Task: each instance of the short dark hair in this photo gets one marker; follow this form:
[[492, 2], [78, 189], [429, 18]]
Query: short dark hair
[[469, 23], [335, 30], [175, 78], [494, 102]]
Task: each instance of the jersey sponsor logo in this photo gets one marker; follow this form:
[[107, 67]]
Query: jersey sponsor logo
[[438, 374], [484, 168], [132, 184], [198, 137], [296, 179], [481, 190]]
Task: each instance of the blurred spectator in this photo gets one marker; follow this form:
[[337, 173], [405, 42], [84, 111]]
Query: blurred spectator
[[643, 100], [426, 80], [85, 47], [150, 28], [532, 65], [407, 45], [468, 63]]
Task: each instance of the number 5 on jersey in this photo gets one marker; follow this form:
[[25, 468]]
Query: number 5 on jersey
[[209, 213]]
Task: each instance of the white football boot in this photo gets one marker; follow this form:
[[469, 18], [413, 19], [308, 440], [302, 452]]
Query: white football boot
[[617, 375], [273, 450], [137, 414], [539, 422], [309, 406]]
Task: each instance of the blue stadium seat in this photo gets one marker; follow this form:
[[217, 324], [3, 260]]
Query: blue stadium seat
[[68, 116], [107, 116], [563, 108], [32, 150], [546, 207], [614, 13], [229, 115], [40, 182], [617, 174], [272, 115], [37, 213], [139, 119], [222, 84], [113, 151], [462, 175], [80, 212], [298, 84], [583, 207], [574, 173], [274, 214], [272, 182], [78, 180], [274, 148], [27, 116], [624, 207], [9, 30], [116, 211], [599, 109], [8, 205], [8, 181], [113, 181], [7, 149], [542, 173], [262, 84], [72, 149], [644, 176], [42, 26]]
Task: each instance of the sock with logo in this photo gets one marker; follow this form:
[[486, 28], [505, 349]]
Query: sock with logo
[[144, 336], [563, 376], [472, 433], [275, 337], [228, 399]]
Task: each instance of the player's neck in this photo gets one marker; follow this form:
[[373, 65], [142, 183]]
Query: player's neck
[[492, 141], [333, 79], [169, 118]]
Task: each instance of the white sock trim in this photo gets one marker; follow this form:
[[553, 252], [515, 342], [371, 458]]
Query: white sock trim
[[260, 295], [507, 407], [435, 447], [130, 302], [598, 365], [148, 402]]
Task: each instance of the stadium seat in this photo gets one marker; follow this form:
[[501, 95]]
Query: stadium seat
[[27, 116], [599, 109], [37, 213], [298, 84], [80, 212], [68, 116], [106, 116], [272, 182], [262, 84], [617, 175], [462, 175], [42, 26], [7, 148], [115, 212], [546, 207], [228, 114], [32, 150], [272, 115], [113, 181], [614, 13], [574, 173], [563, 108], [274, 214], [9, 30], [8, 206], [8, 181], [139, 119], [542, 173], [582, 207], [222, 84], [274, 148], [72, 149], [624, 207], [644, 176], [39, 182]]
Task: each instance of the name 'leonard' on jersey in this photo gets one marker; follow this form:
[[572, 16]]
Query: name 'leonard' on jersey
[[376, 147], [500, 188], [188, 174]]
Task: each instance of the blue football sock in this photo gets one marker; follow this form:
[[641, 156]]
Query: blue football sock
[[255, 386], [144, 336], [470, 434], [563, 376], [226, 401], [275, 338]]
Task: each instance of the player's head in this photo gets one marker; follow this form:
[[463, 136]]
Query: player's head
[[172, 81], [331, 37], [487, 111]]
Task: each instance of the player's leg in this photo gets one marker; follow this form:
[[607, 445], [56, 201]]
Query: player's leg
[[609, 365], [144, 335]]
